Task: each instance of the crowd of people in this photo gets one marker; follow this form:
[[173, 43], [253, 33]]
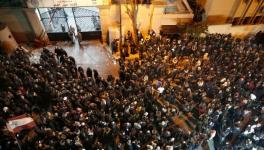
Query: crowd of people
[[212, 84]]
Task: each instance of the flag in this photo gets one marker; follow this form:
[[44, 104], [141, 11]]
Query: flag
[[18, 123]]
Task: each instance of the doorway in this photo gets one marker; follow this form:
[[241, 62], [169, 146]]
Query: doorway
[[57, 22]]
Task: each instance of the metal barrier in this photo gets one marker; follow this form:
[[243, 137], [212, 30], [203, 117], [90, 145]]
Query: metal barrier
[[86, 20], [54, 20]]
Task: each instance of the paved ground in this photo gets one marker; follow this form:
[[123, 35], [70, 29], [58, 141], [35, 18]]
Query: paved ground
[[90, 54]]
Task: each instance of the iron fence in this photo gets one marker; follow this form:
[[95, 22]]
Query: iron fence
[[86, 20], [54, 20]]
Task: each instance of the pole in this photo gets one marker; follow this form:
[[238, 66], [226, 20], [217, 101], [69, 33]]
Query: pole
[[66, 18], [242, 18], [73, 12], [18, 143], [120, 27]]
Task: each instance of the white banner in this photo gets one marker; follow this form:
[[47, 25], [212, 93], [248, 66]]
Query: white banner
[[65, 3]]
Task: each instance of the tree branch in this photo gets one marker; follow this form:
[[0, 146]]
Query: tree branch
[[128, 11]]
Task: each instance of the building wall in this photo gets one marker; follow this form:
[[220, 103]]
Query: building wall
[[7, 40], [218, 11], [23, 23], [219, 7], [250, 11], [37, 28], [110, 19], [240, 9], [223, 11], [237, 31]]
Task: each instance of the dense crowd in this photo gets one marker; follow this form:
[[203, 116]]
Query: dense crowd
[[211, 84]]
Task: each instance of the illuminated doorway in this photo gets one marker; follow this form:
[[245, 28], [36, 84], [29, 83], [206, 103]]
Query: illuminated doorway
[[57, 22]]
